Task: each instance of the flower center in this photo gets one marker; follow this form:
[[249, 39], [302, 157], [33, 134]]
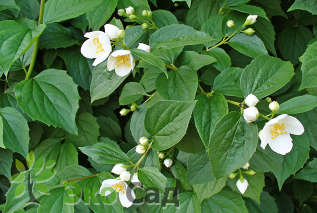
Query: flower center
[[277, 130], [119, 187], [97, 43], [123, 60]]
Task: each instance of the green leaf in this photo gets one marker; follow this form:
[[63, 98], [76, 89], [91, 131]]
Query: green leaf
[[250, 9], [214, 27], [308, 5], [180, 173], [268, 204], [73, 171], [296, 106], [151, 177], [103, 82], [134, 35], [105, 152], [188, 2], [177, 35], [307, 120], [15, 131], [265, 31], [232, 144], [206, 190], [60, 199], [195, 60], [151, 59], [292, 42], [137, 123], [15, 39], [265, 75], [131, 92], [228, 82], [199, 169], [59, 10], [272, 7], [88, 131], [191, 142], [68, 156], [208, 111], [51, 97], [77, 66], [223, 59], [8, 4], [309, 172], [225, 201], [57, 36], [250, 46], [309, 67], [163, 18], [29, 9], [181, 84], [101, 14], [109, 128], [167, 122], [6, 159], [255, 188]]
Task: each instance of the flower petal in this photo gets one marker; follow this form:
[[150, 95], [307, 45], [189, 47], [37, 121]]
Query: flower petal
[[123, 70], [282, 144], [111, 63], [106, 44], [93, 34], [293, 125], [88, 49], [100, 59], [112, 31], [242, 185], [120, 52], [265, 136], [108, 183], [127, 198]]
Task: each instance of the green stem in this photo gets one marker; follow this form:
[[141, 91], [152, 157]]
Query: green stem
[[80, 178], [234, 103], [265, 117], [151, 96], [224, 40], [143, 156], [36, 43], [172, 67]]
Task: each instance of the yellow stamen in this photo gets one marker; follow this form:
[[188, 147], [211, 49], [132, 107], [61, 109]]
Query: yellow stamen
[[119, 187], [97, 43], [277, 130], [123, 60]]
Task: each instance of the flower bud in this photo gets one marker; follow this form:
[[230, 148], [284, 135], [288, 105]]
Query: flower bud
[[144, 47], [140, 149], [133, 107], [274, 106], [232, 175], [112, 31], [118, 169], [268, 99], [161, 155], [143, 141], [230, 23], [250, 114], [121, 34], [121, 12], [250, 172], [144, 26], [124, 112], [246, 166], [168, 162], [144, 13], [129, 10], [249, 31], [251, 100], [251, 19], [132, 17], [149, 13], [125, 176], [242, 184]]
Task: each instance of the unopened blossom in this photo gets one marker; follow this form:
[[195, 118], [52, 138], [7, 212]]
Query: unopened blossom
[[118, 169], [251, 100], [140, 149], [246, 166], [250, 114], [143, 140], [129, 10], [97, 46], [230, 23], [126, 194], [276, 133], [144, 47], [242, 184], [112, 31], [274, 106], [251, 19], [168, 162], [121, 61], [124, 112]]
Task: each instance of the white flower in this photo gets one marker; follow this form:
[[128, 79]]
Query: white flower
[[168, 162], [129, 10], [144, 47], [242, 185], [97, 46], [251, 19], [121, 61], [276, 133], [274, 106], [251, 100], [251, 114], [112, 31], [143, 141], [118, 169], [126, 194], [140, 149], [125, 176], [135, 180], [246, 166]]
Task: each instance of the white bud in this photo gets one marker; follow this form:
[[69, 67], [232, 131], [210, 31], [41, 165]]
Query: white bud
[[230, 23], [251, 100], [246, 166], [143, 141], [251, 114], [161, 155], [251, 19], [124, 112], [112, 31], [140, 149], [242, 185], [144, 47], [168, 162], [129, 10], [135, 180], [125, 176], [249, 31], [118, 169], [274, 106]]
